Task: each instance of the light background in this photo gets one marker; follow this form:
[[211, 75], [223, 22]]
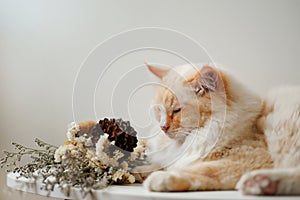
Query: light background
[[43, 43]]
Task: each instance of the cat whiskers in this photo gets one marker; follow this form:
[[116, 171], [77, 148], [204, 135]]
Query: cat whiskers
[[181, 132]]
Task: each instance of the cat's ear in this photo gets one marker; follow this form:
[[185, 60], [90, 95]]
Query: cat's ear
[[158, 72], [208, 79]]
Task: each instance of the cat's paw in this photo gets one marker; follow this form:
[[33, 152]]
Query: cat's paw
[[258, 183], [163, 181]]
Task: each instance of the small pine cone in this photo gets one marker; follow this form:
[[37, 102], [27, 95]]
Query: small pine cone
[[121, 132], [127, 139]]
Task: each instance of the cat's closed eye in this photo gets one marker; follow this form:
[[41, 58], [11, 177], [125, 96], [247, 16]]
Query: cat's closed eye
[[176, 110]]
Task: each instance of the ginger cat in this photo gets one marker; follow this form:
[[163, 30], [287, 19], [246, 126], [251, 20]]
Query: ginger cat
[[215, 132]]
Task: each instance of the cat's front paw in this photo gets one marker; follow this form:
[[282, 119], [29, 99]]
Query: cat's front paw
[[163, 181]]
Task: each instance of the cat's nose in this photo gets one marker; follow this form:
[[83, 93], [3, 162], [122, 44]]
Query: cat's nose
[[165, 128]]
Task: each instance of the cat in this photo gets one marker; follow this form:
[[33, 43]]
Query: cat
[[216, 134]]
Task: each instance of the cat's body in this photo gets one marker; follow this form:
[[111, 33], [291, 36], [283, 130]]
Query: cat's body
[[216, 130]]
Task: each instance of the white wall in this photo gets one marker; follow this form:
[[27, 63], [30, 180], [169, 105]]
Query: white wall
[[43, 43]]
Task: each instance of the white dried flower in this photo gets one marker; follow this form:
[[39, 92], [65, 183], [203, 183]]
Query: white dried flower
[[90, 154], [110, 170], [65, 188], [102, 144], [70, 136], [118, 154], [52, 170], [139, 150], [88, 142], [61, 151], [73, 128], [103, 159], [50, 179], [98, 169], [75, 152], [118, 175], [36, 173], [80, 139], [133, 156], [131, 178]]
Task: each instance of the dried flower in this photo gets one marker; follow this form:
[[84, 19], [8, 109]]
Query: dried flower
[[118, 175], [102, 144], [131, 178], [73, 128], [61, 151], [118, 154]]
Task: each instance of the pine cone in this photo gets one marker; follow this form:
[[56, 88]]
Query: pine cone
[[121, 132], [127, 139], [118, 130]]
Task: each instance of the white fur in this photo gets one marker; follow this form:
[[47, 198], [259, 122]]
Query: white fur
[[282, 126], [163, 115]]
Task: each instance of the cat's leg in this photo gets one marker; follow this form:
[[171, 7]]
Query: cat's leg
[[210, 175], [271, 182]]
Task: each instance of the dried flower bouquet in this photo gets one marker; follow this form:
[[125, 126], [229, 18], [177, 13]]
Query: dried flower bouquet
[[94, 156]]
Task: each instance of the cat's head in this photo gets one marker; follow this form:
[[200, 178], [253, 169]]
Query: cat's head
[[186, 98]]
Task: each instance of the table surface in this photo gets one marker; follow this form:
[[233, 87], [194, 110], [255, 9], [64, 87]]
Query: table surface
[[130, 192]]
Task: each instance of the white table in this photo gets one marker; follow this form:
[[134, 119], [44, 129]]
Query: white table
[[127, 192]]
